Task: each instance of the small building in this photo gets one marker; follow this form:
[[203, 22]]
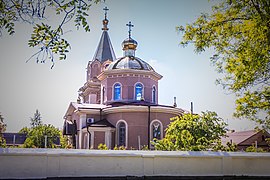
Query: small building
[[14, 139], [118, 104], [18, 139], [244, 139]]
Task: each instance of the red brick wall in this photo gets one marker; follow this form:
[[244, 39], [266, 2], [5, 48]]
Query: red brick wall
[[99, 138], [138, 125], [128, 84]]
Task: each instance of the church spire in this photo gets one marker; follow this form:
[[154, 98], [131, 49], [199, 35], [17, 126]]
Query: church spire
[[104, 50]]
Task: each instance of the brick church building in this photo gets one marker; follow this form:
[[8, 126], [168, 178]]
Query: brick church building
[[118, 104]]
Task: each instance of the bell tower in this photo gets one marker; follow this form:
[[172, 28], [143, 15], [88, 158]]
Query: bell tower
[[104, 55]]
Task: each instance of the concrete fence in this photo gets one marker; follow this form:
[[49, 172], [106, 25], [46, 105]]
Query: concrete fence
[[47, 163]]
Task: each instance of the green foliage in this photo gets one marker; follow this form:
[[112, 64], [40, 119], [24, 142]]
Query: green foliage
[[47, 39], [36, 137], [102, 147], [25, 130], [145, 148], [2, 129], [36, 120], [254, 149], [239, 33], [2, 142], [268, 141], [192, 133], [119, 148], [230, 147], [3, 126]]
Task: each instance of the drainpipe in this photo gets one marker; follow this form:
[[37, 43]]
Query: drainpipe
[[89, 147], [191, 107], [100, 114], [149, 126]]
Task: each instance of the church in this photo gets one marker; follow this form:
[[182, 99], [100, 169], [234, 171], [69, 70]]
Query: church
[[118, 104]]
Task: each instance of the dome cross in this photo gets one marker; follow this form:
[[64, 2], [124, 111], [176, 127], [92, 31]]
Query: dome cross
[[105, 21], [129, 28], [105, 10]]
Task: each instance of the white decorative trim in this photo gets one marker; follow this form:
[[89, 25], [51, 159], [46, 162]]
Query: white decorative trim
[[92, 139], [80, 123], [117, 131], [86, 141], [152, 74], [102, 95], [158, 109]]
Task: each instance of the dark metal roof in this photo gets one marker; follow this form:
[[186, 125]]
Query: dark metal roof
[[130, 62], [104, 50], [101, 123], [14, 138]]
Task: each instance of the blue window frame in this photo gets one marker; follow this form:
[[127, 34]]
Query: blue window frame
[[138, 91], [117, 91]]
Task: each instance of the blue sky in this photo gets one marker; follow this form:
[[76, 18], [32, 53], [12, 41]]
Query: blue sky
[[190, 77]]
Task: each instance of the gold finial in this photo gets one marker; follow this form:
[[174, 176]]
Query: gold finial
[[105, 21]]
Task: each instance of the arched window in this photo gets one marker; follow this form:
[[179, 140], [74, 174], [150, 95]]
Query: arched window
[[122, 134], [117, 91], [138, 91], [154, 95], [156, 130]]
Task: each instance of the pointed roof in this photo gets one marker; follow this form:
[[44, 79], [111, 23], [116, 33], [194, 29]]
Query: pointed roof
[[104, 50]]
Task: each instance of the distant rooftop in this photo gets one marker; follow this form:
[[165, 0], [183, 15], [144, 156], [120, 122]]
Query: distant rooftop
[[238, 137]]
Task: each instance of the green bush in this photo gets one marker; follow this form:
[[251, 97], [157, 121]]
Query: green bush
[[254, 149], [102, 147]]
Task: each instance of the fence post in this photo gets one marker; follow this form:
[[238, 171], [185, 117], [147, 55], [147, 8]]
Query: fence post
[[14, 139], [46, 141]]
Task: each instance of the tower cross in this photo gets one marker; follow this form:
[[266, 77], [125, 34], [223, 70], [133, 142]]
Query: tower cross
[[105, 9], [129, 28]]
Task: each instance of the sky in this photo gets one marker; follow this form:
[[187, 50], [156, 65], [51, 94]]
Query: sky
[[188, 76]]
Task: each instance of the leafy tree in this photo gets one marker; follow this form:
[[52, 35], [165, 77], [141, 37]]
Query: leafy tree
[[2, 124], [229, 147], [2, 129], [36, 120], [24, 130], [192, 133], [47, 39], [36, 137], [254, 149], [239, 33], [38, 132]]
